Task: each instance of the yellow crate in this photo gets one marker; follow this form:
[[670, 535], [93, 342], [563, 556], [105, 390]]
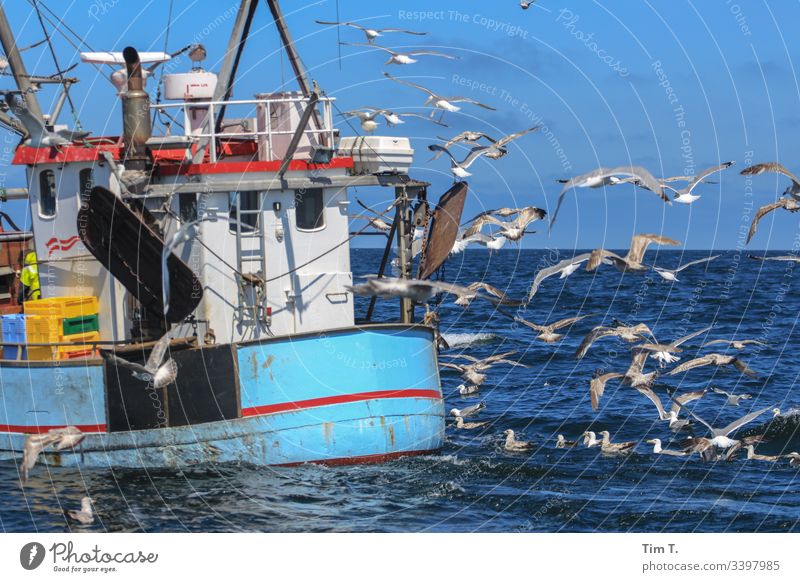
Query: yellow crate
[[62, 307], [43, 329], [41, 353], [89, 336], [74, 352]]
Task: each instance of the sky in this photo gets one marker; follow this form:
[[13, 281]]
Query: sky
[[675, 86]]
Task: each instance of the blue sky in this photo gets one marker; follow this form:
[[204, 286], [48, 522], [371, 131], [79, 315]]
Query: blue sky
[[674, 86]]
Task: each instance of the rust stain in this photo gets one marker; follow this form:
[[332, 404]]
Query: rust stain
[[391, 435], [327, 432], [268, 362], [254, 364]]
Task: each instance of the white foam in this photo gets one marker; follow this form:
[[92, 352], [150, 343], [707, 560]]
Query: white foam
[[455, 340]]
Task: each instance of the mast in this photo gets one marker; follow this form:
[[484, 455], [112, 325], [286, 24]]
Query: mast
[[17, 65]]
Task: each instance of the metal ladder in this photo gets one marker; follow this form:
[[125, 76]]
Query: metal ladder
[[248, 279]]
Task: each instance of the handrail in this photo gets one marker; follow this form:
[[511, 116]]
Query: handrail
[[325, 134]]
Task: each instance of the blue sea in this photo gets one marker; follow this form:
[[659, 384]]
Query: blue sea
[[474, 485]]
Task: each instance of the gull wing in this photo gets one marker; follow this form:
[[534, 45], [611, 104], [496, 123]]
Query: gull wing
[[691, 364], [705, 173], [530, 324], [597, 256], [791, 258], [742, 367], [693, 415], [568, 321], [117, 361], [479, 222], [458, 99], [439, 149], [697, 262], [402, 30], [653, 397], [691, 336], [507, 139], [166, 374], [637, 362], [594, 335], [377, 46], [529, 214], [597, 387], [742, 421], [432, 54], [640, 242], [716, 390], [353, 24], [685, 399], [763, 211], [773, 167], [543, 274], [410, 84], [157, 353]]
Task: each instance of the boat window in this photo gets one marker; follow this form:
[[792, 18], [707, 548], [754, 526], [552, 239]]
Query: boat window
[[47, 193], [308, 210], [187, 206], [85, 184], [249, 203]]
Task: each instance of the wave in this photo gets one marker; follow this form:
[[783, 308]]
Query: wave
[[457, 340]]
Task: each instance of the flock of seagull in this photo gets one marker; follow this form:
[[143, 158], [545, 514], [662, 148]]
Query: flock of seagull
[[492, 229]]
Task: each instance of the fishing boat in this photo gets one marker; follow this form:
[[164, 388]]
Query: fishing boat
[[242, 218]]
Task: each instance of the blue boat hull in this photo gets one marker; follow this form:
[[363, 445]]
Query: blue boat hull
[[344, 396]]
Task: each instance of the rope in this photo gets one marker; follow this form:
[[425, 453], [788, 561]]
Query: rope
[[59, 74]]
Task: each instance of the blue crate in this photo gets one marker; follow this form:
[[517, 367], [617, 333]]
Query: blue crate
[[14, 331]]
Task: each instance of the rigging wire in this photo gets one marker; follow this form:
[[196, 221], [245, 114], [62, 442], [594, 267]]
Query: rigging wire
[[59, 72], [339, 35]]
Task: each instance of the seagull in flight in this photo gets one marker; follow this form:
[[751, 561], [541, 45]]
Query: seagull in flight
[[731, 399], [675, 424], [664, 352], [736, 344], [786, 258], [684, 195], [790, 204], [715, 360], [793, 190], [371, 33], [672, 274], [547, 333], [415, 289], [632, 261], [398, 58], [439, 101], [627, 333], [611, 177], [491, 242], [155, 370], [494, 151], [513, 230], [563, 268]]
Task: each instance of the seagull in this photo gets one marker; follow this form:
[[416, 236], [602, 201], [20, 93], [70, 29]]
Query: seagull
[[472, 371], [494, 151], [615, 449], [684, 195], [732, 399], [753, 456], [547, 333], [562, 443], [504, 213], [440, 101], [60, 438], [672, 453], [629, 334], [38, 135], [635, 376], [495, 296], [675, 424], [790, 204], [736, 344], [632, 261], [513, 230], [468, 425], [664, 353], [197, 53], [794, 459], [371, 33], [84, 516], [720, 437], [414, 289], [375, 222], [468, 410], [367, 119], [397, 58], [774, 167], [514, 446], [465, 390], [788, 258], [153, 371], [716, 360], [597, 386], [610, 177], [590, 439], [490, 242], [563, 268], [470, 137], [525, 4], [672, 274]]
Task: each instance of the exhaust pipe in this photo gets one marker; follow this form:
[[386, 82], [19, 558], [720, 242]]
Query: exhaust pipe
[[135, 114]]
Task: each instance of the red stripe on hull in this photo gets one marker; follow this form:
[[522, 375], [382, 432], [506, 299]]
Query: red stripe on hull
[[362, 460], [45, 428], [339, 399]]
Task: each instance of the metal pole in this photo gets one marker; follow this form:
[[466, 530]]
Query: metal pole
[[404, 251], [382, 269], [17, 65]]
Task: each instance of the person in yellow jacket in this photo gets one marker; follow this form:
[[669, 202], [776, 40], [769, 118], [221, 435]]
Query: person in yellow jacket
[[29, 277]]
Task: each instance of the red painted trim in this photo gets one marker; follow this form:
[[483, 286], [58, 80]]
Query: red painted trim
[[45, 428], [69, 153], [245, 167], [362, 460], [339, 399]]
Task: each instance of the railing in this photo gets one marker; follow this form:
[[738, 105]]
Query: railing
[[324, 135]]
